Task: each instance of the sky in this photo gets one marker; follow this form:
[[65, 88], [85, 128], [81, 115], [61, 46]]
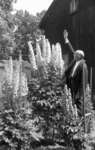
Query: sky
[[33, 6]]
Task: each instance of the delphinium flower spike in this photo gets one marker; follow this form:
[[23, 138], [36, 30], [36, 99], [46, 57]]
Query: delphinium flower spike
[[32, 56]]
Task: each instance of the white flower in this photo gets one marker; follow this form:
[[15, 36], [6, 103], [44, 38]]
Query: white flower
[[9, 71], [48, 51], [24, 85], [39, 58], [53, 56], [32, 57], [43, 47], [16, 79], [59, 59]]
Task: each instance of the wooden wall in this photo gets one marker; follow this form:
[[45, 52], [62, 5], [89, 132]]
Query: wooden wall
[[80, 25]]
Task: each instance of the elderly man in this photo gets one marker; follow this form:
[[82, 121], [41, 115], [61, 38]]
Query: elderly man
[[75, 74]]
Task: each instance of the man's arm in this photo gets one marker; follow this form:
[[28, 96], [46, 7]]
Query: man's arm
[[29, 44], [67, 41]]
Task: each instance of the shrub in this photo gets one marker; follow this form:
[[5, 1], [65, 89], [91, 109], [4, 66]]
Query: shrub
[[17, 128], [48, 112]]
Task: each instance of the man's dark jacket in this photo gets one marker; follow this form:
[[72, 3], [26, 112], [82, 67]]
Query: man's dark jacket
[[75, 82]]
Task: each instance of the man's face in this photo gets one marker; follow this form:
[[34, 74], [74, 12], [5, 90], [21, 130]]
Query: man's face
[[77, 56]]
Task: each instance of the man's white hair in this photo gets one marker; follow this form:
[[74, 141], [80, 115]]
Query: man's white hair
[[80, 52]]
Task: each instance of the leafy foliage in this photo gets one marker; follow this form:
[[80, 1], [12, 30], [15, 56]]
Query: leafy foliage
[[48, 112], [7, 43], [17, 128], [51, 103], [16, 30], [27, 29], [6, 5]]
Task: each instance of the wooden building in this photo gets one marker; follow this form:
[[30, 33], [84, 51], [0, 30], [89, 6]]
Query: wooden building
[[78, 17]]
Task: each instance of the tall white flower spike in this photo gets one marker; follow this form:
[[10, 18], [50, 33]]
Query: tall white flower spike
[[9, 71], [43, 47], [53, 56], [32, 56], [48, 51], [39, 58], [24, 85], [16, 79], [59, 59]]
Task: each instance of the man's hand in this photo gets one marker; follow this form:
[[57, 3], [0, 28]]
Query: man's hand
[[66, 36], [29, 43]]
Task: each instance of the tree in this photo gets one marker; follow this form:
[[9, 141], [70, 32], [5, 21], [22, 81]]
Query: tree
[[6, 5], [6, 28], [27, 29], [17, 29]]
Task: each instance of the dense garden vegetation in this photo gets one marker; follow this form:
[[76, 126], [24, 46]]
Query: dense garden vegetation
[[38, 114]]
